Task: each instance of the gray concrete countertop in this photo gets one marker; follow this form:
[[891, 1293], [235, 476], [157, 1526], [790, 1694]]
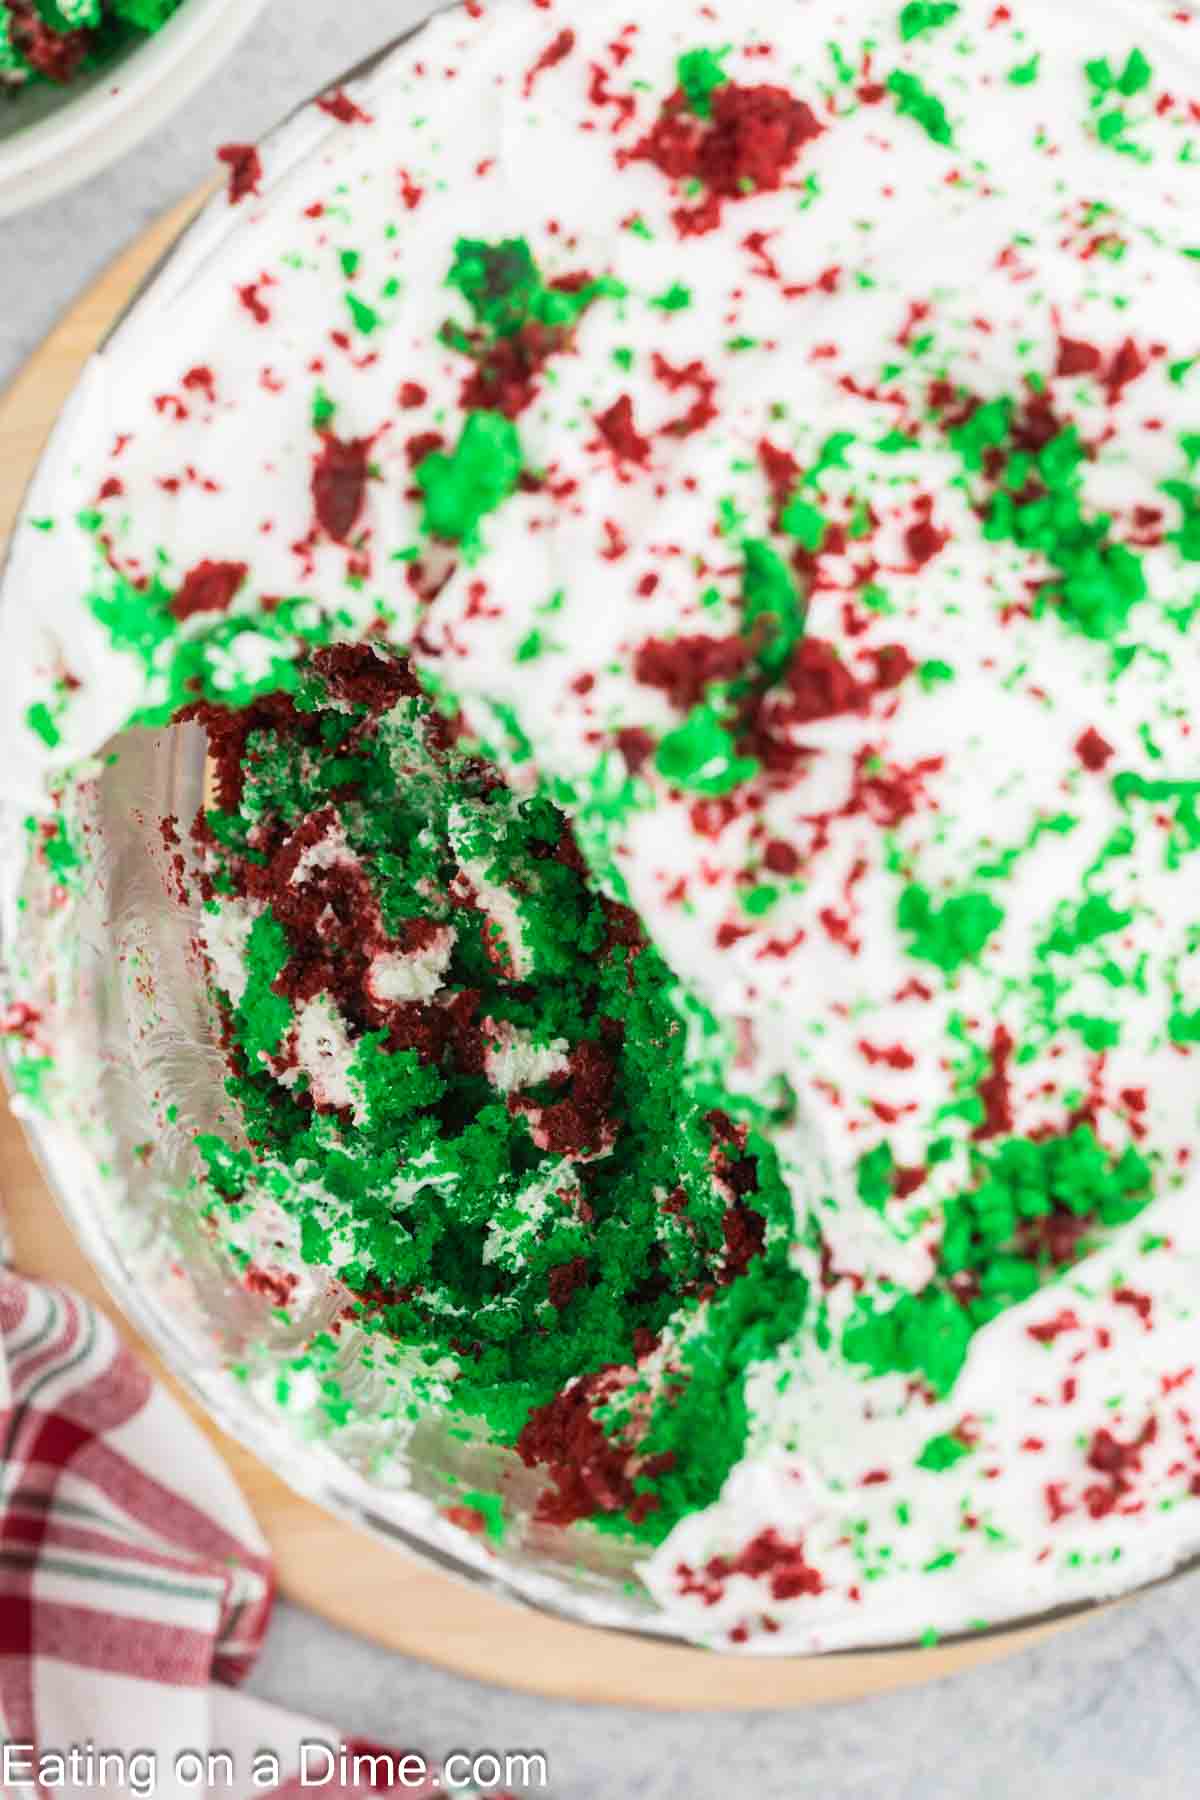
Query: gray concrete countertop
[[1111, 1709]]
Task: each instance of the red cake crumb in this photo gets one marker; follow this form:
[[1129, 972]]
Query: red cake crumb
[[768, 1558], [1128, 363], [251, 298], [467, 1518], [636, 746], [209, 587], [1118, 1463], [821, 684], [1077, 358], [272, 1284], [745, 1233], [748, 146], [1093, 751], [339, 484], [995, 1089], [507, 372], [684, 668], [693, 375], [925, 540], [589, 1473], [566, 1280], [616, 426], [579, 1125], [57, 55], [245, 170], [338, 104]]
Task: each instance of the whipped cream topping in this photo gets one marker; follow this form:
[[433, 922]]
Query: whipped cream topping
[[919, 376]]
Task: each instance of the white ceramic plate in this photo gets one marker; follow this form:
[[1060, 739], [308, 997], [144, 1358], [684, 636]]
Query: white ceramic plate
[[54, 138]]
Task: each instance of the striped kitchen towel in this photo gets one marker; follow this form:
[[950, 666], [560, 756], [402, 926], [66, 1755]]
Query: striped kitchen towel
[[135, 1590]]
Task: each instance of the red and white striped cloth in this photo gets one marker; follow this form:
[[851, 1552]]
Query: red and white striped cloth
[[135, 1588]]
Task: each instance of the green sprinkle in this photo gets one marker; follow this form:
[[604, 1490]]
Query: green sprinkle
[[832, 454], [914, 101], [759, 901], [922, 16], [1136, 75], [770, 594], [942, 1453], [40, 721], [365, 317], [876, 1177], [1026, 73], [1184, 1028], [676, 299], [702, 756], [1187, 538], [531, 647], [490, 1507], [952, 934], [460, 489], [701, 73], [804, 522]]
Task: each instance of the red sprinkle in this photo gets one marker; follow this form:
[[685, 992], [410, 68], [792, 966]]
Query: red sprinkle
[[1094, 751], [1127, 365], [693, 375], [338, 104], [925, 540], [1141, 1304], [768, 1558], [249, 297], [995, 1089], [619, 431], [895, 1057], [1054, 1328], [555, 53]]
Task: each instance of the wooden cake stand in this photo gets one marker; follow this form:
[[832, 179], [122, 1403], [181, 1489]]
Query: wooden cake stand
[[345, 1575]]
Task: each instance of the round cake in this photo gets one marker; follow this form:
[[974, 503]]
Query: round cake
[[681, 528], [57, 40]]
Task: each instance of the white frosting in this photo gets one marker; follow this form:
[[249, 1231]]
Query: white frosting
[[514, 1060], [324, 1052], [397, 975]]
